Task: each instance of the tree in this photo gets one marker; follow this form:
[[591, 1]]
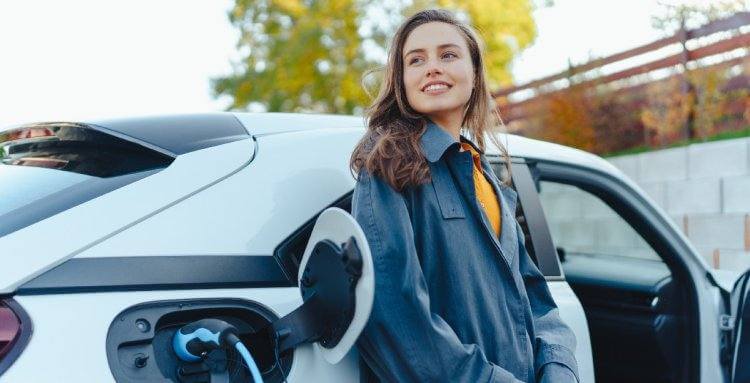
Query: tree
[[297, 55], [702, 101], [675, 15], [310, 55]]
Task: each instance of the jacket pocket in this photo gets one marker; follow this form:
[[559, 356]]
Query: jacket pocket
[[446, 193]]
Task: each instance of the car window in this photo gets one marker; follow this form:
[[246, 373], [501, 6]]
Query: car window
[[48, 168], [581, 224], [23, 185]]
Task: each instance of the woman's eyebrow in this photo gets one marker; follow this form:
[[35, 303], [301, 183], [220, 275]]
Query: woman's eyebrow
[[441, 46]]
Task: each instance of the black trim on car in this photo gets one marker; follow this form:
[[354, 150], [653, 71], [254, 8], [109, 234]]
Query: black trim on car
[[20, 343], [538, 230], [179, 134], [146, 273], [290, 251], [653, 227], [520, 175]]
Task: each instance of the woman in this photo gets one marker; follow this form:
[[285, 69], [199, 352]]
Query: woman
[[457, 298]]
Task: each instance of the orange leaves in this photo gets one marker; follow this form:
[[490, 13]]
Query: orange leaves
[[567, 120], [667, 110]]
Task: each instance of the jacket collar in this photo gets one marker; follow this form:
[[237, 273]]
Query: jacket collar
[[435, 141]]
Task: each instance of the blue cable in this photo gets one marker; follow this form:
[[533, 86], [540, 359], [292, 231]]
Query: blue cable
[[250, 362]]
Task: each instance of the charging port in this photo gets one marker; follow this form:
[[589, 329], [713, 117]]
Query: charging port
[[139, 342]]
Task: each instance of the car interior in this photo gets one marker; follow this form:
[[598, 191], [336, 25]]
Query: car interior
[[637, 300]]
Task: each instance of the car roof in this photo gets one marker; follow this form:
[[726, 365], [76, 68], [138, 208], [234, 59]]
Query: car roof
[[259, 124], [183, 133]]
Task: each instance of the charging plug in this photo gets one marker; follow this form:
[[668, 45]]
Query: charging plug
[[196, 339]]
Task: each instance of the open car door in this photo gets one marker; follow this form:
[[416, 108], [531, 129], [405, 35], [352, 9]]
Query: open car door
[[740, 302]]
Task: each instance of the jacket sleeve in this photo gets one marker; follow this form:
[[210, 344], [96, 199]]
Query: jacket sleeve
[[403, 340], [554, 342]]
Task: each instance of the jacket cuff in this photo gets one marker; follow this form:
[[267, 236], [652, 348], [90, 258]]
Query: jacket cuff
[[554, 353], [557, 373]]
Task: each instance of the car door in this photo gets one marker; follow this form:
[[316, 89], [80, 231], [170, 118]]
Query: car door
[[740, 339], [542, 251], [650, 299]]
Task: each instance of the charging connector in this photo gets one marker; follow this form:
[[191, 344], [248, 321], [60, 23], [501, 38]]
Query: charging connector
[[193, 341]]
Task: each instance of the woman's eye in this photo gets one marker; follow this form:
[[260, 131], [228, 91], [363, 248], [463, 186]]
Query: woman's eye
[[414, 60], [449, 55]]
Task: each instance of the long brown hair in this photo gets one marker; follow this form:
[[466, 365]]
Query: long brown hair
[[391, 148]]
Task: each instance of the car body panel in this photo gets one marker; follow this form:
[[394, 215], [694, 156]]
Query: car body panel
[[45, 244], [573, 315], [726, 279], [61, 321], [252, 211], [261, 124]]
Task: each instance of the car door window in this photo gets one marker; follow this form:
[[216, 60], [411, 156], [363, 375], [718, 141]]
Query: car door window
[[581, 224]]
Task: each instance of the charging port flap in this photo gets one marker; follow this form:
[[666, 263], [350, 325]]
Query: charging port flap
[[337, 283]]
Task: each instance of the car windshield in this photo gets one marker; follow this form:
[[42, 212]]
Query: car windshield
[[48, 168]]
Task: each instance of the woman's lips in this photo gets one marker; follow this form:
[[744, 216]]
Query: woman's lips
[[436, 89]]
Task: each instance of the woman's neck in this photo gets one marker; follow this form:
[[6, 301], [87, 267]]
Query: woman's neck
[[451, 123]]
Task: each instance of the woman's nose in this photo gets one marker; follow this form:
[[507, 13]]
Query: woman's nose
[[434, 67]]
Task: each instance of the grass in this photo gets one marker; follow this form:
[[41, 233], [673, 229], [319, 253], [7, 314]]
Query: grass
[[745, 132]]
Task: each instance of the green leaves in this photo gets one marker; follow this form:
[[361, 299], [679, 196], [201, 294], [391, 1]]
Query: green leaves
[[310, 55]]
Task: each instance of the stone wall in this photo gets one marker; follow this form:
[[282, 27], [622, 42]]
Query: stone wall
[[705, 188]]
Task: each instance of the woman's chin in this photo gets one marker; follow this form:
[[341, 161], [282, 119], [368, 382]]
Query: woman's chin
[[439, 108]]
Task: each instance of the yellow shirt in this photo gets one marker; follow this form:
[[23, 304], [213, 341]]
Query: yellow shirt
[[484, 192]]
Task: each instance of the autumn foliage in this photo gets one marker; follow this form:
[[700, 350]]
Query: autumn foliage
[[605, 119], [698, 93]]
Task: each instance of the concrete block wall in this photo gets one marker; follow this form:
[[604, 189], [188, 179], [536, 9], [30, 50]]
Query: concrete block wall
[[705, 188], [582, 224]]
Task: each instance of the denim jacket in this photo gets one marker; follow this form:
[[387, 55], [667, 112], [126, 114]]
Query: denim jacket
[[453, 302]]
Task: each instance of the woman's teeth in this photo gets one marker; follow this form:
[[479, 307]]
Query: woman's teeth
[[436, 87]]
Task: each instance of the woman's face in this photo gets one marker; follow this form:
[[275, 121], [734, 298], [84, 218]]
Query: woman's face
[[438, 73]]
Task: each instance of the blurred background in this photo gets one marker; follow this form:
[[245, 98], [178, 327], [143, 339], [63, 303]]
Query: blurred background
[[660, 88]]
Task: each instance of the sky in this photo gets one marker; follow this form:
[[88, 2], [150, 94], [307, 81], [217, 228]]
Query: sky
[[82, 60]]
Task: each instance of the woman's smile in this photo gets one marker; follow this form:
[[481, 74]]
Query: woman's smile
[[436, 87]]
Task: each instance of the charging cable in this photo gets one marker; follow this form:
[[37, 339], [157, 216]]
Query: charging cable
[[194, 340]]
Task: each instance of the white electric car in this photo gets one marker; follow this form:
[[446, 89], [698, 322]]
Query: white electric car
[[115, 234]]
